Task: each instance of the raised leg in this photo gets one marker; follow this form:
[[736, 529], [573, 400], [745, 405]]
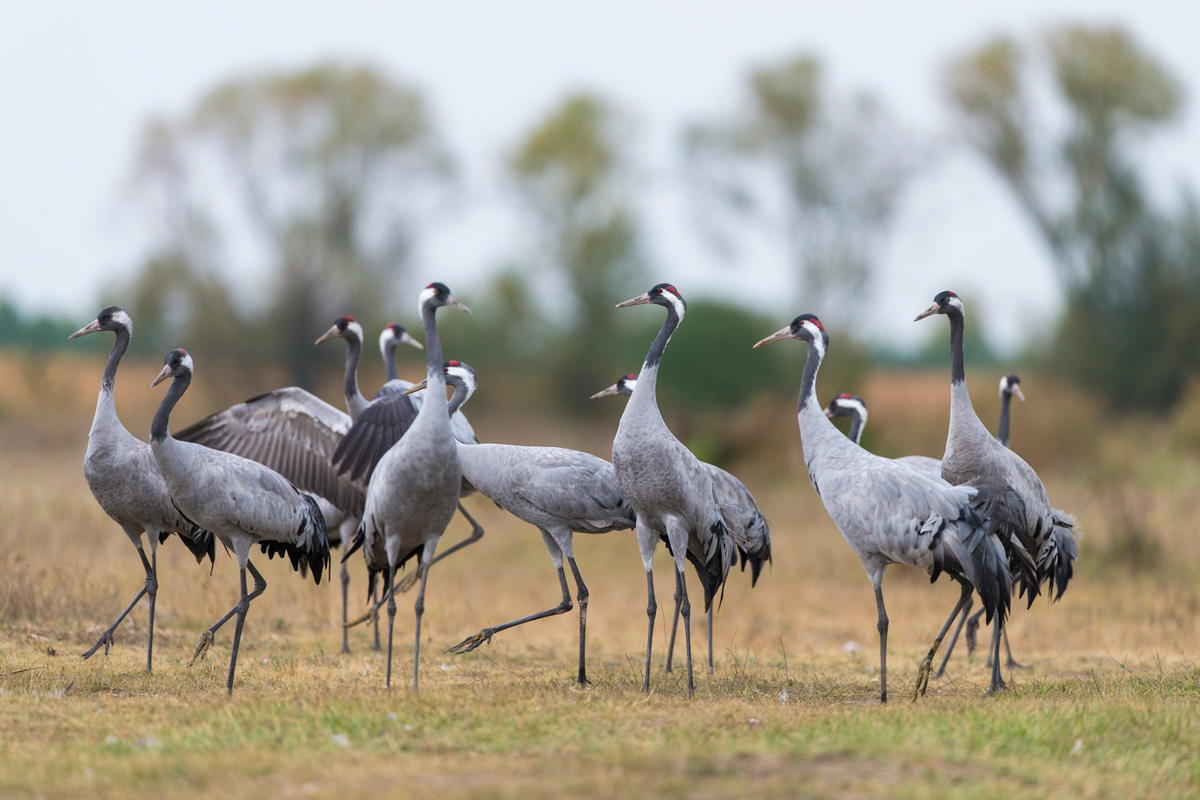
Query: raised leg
[[345, 605], [485, 635], [410, 580], [966, 612], [391, 609], [927, 664], [206, 638], [674, 625], [582, 597], [106, 638], [882, 625]]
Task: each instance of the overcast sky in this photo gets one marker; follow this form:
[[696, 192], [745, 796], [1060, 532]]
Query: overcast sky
[[78, 80]]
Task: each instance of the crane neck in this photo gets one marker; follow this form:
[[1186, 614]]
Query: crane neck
[[461, 395], [957, 373], [355, 402], [856, 428], [1002, 431], [120, 345], [389, 360], [654, 355], [435, 374], [159, 428], [808, 382]]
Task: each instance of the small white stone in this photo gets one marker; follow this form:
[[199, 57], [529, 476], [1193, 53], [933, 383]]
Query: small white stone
[[340, 739], [1078, 746], [852, 647]]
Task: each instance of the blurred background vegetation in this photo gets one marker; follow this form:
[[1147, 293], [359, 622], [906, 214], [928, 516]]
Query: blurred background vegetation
[[279, 200]]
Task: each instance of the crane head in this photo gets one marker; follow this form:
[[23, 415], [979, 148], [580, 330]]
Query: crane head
[[112, 318], [944, 303], [806, 328], [344, 327], [395, 334], [847, 405], [175, 363], [663, 294], [437, 294], [624, 386], [1010, 384]]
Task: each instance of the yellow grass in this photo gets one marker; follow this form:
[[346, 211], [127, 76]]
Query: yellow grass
[[1111, 666]]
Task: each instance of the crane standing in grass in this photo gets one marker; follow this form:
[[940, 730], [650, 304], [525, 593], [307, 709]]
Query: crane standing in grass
[[670, 492], [890, 513], [124, 478], [415, 487], [241, 501], [729, 491]]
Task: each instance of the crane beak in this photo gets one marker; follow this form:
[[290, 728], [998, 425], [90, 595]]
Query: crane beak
[[641, 299], [1017, 391], [91, 327], [606, 392], [934, 308], [163, 374], [777, 336], [453, 302], [404, 337], [829, 413], [332, 333], [416, 387]]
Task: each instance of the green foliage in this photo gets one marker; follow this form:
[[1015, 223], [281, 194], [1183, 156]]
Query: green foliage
[[21, 331], [1123, 262]]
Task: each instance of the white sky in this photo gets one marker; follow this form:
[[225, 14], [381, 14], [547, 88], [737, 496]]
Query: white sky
[[77, 81]]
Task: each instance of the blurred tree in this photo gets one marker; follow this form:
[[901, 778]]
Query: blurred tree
[[320, 175], [1121, 261], [822, 173], [572, 171]]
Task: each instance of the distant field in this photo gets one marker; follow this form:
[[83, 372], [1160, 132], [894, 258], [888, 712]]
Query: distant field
[[1108, 706]]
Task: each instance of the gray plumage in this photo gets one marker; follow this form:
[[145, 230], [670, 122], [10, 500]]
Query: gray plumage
[[124, 478], [731, 492], [1014, 498], [558, 491], [244, 503], [415, 487], [890, 513], [669, 490]]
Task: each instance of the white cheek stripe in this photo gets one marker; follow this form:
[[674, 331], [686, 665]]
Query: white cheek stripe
[[426, 295], [857, 406], [676, 302], [818, 338]]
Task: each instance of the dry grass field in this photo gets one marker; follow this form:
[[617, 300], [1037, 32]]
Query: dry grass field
[[1107, 706]]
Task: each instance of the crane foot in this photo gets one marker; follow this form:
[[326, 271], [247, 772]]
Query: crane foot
[[471, 642], [106, 639], [923, 673], [201, 647], [409, 581]]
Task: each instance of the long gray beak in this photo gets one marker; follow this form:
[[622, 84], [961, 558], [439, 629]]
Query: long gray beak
[[404, 337], [91, 327], [635, 301], [777, 336], [163, 374], [452, 302], [416, 387], [829, 413], [933, 309], [1017, 391], [606, 392], [332, 333]]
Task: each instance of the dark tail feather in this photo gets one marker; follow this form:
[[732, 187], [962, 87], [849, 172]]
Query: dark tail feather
[[1066, 551], [309, 549], [200, 543], [360, 536], [986, 565]]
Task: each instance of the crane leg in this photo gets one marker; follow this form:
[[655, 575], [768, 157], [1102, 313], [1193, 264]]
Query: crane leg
[[998, 683], [410, 580], [485, 635], [882, 625], [710, 645], [345, 605], [674, 626], [941, 670], [1010, 662], [651, 611], [419, 607], [685, 609], [206, 639], [152, 593], [391, 609], [582, 597], [106, 638], [927, 664], [973, 632], [377, 645]]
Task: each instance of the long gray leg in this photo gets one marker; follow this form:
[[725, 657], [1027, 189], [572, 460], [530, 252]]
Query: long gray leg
[[941, 670], [345, 605], [242, 607], [1010, 662], [152, 593], [485, 635], [391, 609], [710, 621], [674, 625], [582, 597], [106, 638], [419, 607], [882, 625], [997, 682], [927, 664], [651, 611], [685, 609]]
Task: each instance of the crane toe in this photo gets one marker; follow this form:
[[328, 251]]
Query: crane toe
[[472, 642], [202, 646]]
